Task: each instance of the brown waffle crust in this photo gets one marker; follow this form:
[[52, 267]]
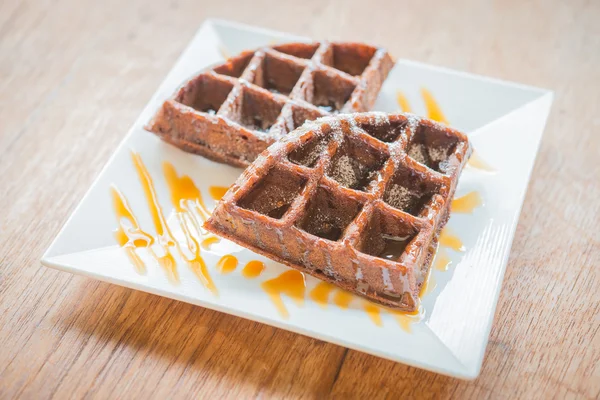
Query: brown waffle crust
[[232, 112], [357, 200]]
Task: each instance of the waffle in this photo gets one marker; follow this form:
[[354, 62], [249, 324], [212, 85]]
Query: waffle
[[234, 111], [357, 200]]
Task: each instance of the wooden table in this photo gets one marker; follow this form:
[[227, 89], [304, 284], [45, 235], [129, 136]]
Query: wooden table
[[75, 74]]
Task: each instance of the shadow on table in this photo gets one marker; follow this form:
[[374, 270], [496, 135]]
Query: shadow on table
[[160, 347]]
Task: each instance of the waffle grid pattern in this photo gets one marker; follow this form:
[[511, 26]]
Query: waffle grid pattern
[[357, 200], [234, 111]]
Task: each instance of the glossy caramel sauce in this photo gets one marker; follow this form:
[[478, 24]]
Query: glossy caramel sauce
[[209, 241], [217, 192], [253, 269], [442, 261], [292, 284], [374, 312], [342, 298], [449, 239], [434, 111], [185, 195], [467, 203], [132, 236], [198, 266], [405, 319], [165, 237], [403, 102], [188, 203], [320, 293], [189, 210], [227, 264], [160, 222], [183, 189]]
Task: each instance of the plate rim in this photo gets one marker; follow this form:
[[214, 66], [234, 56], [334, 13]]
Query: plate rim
[[48, 259]]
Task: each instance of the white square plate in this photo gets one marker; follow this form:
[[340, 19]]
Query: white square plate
[[451, 333]]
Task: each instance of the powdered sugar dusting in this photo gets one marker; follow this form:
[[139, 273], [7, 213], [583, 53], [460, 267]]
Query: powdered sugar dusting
[[418, 152], [387, 282], [308, 153], [329, 270], [344, 171], [284, 249], [362, 287], [400, 197], [438, 154], [359, 274], [381, 118], [413, 120]]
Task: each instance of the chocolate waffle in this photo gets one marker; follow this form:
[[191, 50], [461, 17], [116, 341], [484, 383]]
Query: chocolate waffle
[[354, 199], [234, 111]]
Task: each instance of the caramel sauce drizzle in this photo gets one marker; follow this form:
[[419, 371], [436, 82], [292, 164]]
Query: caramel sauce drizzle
[[292, 284], [403, 102], [442, 261], [187, 200], [434, 111], [227, 264], [165, 237], [253, 269], [132, 236], [449, 239], [405, 322], [404, 319], [209, 241], [185, 195], [217, 192], [320, 293], [467, 203], [342, 299], [374, 313]]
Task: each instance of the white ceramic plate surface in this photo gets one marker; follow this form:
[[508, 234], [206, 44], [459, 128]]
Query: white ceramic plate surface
[[452, 332]]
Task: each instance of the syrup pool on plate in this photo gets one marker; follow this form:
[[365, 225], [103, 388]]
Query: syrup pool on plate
[[253, 269], [292, 284]]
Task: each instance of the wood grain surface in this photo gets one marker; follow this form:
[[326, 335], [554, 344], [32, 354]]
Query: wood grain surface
[[74, 75]]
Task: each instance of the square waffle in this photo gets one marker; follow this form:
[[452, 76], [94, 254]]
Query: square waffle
[[357, 200], [232, 112]]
